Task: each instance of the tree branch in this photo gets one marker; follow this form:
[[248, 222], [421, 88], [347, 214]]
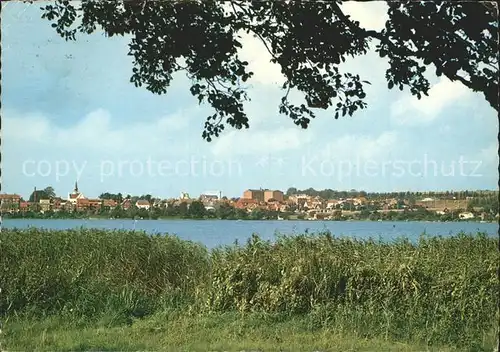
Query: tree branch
[[252, 29], [358, 30], [465, 82]]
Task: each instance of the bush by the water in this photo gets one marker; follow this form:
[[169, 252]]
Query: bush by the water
[[438, 291]]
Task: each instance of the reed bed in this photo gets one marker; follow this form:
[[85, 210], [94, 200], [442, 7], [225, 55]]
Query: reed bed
[[437, 291]]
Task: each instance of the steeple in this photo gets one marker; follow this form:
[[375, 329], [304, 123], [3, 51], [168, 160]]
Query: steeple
[[76, 186]]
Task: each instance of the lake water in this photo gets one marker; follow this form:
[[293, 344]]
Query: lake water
[[213, 233]]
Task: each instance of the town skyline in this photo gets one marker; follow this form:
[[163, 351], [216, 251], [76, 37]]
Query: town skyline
[[260, 204], [78, 127], [221, 194]]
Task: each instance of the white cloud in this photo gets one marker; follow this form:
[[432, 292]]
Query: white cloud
[[255, 142], [31, 127], [489, 156], [410, 110], [370, 15], [354, 146], [445, 129], [259, 61], [95, 132]]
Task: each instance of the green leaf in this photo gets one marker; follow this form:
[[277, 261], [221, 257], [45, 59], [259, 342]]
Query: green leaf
[[208, 40]]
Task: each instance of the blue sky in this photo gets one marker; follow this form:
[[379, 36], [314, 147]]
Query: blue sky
[[69, 112]]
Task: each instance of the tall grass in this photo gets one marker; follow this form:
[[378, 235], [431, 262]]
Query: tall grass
[[438, 291], [87, 271]]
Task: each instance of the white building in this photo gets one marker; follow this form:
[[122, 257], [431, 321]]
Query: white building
[[142, 204], [466, 215], [75, 195]]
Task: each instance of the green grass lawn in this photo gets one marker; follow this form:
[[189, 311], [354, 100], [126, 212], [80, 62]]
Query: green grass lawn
[[219, 332]]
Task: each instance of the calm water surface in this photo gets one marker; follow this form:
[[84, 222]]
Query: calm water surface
[[213, 233]]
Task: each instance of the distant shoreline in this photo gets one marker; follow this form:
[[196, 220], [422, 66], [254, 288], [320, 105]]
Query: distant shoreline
[[252, 220]]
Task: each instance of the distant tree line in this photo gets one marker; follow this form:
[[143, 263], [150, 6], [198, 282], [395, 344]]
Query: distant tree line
[[46, 193], [492, 196], [334, 194], [488, 203], [119, 198]]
